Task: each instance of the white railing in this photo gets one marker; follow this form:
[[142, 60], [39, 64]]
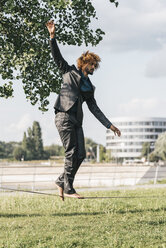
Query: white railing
[[43, 177]]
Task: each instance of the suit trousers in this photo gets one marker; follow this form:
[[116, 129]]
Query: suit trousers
[[72, 138]]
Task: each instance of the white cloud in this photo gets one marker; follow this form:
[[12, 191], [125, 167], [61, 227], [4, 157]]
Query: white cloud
[[22, 124], [134, 25], [149, 107], [156, 66], [14, 131]]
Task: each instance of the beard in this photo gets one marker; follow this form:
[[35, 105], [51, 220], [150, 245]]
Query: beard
[[89, 71]]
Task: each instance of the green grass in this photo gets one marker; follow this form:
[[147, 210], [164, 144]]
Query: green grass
[[28, 221], [162, 181]]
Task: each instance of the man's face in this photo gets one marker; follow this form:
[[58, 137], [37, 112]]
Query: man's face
[[90, 67]]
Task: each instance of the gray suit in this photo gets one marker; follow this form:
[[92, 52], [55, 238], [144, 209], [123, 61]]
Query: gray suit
[[68, 122]]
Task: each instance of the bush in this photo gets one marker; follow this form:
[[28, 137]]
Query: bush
[[19, 153]]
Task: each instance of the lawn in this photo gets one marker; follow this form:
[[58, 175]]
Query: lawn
[[44, 221]]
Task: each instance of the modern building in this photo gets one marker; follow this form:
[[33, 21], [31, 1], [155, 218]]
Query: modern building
[[134, 132]]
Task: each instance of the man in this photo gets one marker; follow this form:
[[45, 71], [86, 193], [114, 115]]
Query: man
[[76, 89]]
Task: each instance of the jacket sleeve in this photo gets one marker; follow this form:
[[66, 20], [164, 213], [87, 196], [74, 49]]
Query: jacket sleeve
[[92, 105], [59, 60]]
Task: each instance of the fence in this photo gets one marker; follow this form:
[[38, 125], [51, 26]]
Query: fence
[[36, 177]]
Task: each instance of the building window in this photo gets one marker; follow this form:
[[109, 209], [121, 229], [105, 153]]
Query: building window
[[134, 134]]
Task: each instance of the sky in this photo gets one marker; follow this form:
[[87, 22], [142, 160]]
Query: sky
[[131, 80]]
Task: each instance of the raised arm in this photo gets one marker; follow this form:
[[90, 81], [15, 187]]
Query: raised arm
[[59, 60], [92, 105]]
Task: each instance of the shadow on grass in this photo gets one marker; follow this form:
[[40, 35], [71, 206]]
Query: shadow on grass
[[18, 215], [154, 223], [78, 214], [133, 211], [14, 215]]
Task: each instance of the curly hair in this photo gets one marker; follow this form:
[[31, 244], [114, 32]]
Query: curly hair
[[86, 58]]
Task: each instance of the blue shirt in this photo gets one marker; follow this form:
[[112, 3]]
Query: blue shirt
[[85, 87], [85, 83]]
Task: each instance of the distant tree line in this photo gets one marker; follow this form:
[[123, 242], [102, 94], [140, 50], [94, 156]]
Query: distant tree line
[[14, 150], [7, 148], [31, 148]]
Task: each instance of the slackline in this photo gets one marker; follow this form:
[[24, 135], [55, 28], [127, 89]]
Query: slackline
[[28, 191], [82, 198]]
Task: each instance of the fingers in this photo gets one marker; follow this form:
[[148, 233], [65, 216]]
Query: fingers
[[117, 132], [50, 23]]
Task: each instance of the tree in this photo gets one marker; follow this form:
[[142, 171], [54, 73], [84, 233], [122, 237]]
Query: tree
[[104, 155], [145, 150], [102, 152], [91, 151], [2, 150], [30, 150], [54, 150], [25, 52], [7, 148], [32, 143], [160, 148], [19, 153], [37, 138], [24, 142], [91, 148]]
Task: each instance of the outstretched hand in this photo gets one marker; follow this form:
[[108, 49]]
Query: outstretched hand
[[115, 130], [51, 28]]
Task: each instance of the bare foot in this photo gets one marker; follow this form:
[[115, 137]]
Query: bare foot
[[75, 195], [60, 190]]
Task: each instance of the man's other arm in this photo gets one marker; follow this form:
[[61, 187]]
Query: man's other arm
[[95, 110]]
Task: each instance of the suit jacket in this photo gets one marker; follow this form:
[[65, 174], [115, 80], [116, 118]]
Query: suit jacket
[[70, 91]]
